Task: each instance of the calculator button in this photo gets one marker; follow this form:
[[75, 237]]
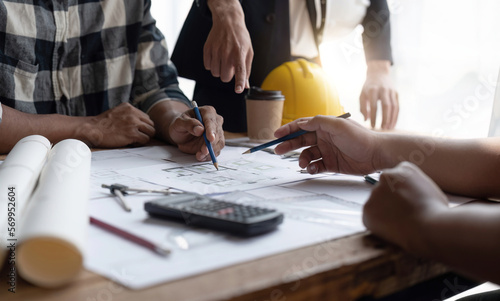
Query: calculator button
[[225, 211]]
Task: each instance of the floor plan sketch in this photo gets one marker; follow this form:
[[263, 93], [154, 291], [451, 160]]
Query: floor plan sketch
[[236, 173], [228, 175]]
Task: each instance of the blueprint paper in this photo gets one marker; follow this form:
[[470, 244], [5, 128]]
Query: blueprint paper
[[257, 179], [56, 220], [316, 208], [19, 172]]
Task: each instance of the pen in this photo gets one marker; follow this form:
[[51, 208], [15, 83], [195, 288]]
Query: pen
[[209, 145], [370, 180], [131, 237], [285, 138]]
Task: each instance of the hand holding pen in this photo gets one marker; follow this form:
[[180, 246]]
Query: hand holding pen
[[333, 145], [207, 142], [188, 132], [285, 138]]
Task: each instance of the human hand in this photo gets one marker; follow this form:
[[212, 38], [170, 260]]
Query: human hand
[[228, 50], [403, 207], [187, 132], [336, 145], [379, 87], [120, 126]]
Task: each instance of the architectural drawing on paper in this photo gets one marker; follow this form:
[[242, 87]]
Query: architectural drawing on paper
[[230, 174]]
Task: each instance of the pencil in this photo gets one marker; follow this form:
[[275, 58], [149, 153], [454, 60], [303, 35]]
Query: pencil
[[370, 180], [209, 145], [129, 236], [285, 138]]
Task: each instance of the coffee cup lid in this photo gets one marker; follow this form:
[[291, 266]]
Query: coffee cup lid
[[257, 93]]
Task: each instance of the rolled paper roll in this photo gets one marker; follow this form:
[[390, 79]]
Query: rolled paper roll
[[54, 226], [18, 175]]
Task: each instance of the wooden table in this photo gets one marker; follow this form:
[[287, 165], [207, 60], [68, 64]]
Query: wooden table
[[342, 269]]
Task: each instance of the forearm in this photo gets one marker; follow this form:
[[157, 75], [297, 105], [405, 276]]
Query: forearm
[[466, 238], [465, 167], [15, 125], [377, 31], [226, 11], [375, 67], [163, 114]]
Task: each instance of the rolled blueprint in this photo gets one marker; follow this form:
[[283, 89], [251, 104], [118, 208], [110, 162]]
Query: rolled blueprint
[[18, 176], [54, 227]]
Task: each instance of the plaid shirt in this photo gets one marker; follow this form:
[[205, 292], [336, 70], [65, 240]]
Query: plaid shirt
[[82, 57]]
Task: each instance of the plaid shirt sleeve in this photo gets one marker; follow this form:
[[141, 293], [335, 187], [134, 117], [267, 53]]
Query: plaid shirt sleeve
[[155, 75], [81, 58]]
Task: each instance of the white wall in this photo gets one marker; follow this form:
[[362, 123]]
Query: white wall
[[170, 16]]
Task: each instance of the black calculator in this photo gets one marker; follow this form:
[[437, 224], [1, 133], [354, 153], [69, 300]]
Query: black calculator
[[205, 212]]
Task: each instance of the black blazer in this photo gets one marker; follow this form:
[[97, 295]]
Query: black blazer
[[266, 26]]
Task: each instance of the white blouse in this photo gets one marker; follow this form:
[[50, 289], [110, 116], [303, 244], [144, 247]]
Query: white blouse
[[342, 16]]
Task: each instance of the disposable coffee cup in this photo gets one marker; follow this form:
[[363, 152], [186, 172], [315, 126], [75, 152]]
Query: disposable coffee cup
[[264, 113]]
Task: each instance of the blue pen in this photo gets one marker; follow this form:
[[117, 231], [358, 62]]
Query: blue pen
[[271, 143], [285, 138], [209, 145]]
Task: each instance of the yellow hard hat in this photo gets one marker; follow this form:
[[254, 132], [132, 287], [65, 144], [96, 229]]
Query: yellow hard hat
[[306, 88]]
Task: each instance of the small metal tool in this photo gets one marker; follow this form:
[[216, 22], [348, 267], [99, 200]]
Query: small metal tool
[[121, 197], [126, 189], [120, 191]]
